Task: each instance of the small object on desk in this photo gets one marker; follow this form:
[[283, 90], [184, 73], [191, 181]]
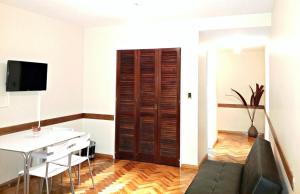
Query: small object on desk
[[36, 131]]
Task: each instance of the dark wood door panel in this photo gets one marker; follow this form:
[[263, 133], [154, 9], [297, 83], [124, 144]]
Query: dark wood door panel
[[126, 105], [169, 107], [147, 106], [147, 143]]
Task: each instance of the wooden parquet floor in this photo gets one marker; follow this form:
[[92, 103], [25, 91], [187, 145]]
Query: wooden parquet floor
[[231, 148], [124, 177]]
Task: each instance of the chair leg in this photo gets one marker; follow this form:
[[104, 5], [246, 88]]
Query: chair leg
[[78, 174], [41, 185], [61, 178], [51, 184], [75, 172], [47, 184], [91, 173], [71, 181], [18, 184], [28, 183]]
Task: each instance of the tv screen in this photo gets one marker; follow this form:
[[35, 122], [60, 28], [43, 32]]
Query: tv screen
[[26, 76]]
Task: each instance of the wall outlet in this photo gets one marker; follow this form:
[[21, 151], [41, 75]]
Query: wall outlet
[[189, 95]]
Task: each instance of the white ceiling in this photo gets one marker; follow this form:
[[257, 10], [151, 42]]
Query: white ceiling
[[104, 12], [242, 38]]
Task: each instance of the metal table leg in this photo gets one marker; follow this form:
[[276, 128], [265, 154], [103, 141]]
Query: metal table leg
[[25, 171], [27, 157]]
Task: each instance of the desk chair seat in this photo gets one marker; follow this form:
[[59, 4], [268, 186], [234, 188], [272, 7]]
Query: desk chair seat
[[76, 160], [39, 171], [50, 167], [42, 154]]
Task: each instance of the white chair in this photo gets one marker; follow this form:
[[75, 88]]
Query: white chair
[[79, 144], [50, 167], [42, 154]]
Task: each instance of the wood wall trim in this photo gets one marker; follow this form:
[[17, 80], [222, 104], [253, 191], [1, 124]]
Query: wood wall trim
[[197, 167], [233, 132], [46, 122], [97, 116], [239, 132], [106, 156], [217, 140], [16, 128], [223, 105], [286, 166], [189, 166], [62, 119], [53, 121], [203, 160]]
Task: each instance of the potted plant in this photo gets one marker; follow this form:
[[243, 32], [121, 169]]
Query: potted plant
[[254, 103]]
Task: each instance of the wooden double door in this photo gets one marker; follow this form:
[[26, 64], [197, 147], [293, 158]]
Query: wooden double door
[[148, 105]]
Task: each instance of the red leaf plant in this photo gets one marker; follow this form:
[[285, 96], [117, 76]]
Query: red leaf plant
[[254, 100]]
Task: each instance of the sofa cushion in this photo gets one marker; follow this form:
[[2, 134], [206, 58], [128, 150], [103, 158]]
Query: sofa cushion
[[260, 175], [217, 177]]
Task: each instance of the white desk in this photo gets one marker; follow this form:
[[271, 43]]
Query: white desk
[[24, 142]]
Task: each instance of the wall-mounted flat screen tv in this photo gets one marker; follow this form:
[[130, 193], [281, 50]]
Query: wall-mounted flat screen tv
[[26, 76]]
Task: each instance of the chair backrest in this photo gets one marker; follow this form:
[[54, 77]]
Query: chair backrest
[[59, 151], [64, 149], [62, 129], [82, 142]]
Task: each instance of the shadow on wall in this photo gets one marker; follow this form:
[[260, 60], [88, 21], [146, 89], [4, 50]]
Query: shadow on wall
[[10, 164], [4, 96]]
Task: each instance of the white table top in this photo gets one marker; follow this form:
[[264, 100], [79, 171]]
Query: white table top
[[25, 141]]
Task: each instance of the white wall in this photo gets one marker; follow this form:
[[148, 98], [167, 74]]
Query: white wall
[[267, 90], [284, 81], [238, 71], [211, 97], [100, 46], [100, 70], [28, 36], [202, 106], [102, 131]]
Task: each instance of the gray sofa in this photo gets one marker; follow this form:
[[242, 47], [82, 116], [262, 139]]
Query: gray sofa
[[259, 175]]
